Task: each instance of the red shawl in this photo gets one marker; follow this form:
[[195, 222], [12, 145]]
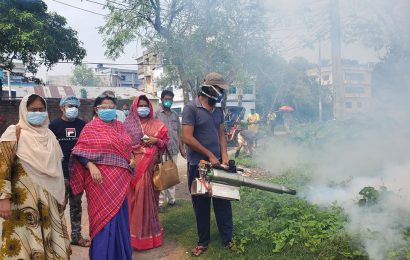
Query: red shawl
[[109, 147]]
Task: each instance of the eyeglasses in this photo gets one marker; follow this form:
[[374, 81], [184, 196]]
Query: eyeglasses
[[105, 107]]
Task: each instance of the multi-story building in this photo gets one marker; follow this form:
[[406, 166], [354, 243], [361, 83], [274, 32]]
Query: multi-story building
[[149, 71], [356, 89], [117, 77]]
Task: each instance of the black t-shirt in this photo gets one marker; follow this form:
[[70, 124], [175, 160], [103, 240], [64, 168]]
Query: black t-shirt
[[67, 134]]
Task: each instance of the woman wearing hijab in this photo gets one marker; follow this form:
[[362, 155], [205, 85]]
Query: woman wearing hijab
[[101, 165], [149, 138], [32, 187]]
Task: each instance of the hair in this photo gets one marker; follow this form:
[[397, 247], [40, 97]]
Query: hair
[[167, 93], [108, 92], [143, 97], [34, 97]]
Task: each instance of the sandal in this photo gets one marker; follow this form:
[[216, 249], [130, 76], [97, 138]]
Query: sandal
[[198, 250], [82, 242]]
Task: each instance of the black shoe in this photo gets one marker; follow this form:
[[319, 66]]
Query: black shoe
[[174, 204], [162, 209]]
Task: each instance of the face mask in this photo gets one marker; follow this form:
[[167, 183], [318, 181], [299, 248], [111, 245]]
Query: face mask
[[126, 112], [167, 103], [144, 111], [36, 118], [71, 113], [107, 114], [212, 100]]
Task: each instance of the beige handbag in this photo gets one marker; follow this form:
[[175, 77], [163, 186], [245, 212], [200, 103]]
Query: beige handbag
[[165, 173]]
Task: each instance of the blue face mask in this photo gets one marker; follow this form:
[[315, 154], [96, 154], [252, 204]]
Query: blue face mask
[[36, 118], [167, 103], [71, 113], [126, 112], [143, 111], [107, 114]]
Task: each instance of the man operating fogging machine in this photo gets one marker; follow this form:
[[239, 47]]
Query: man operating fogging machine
[[204, 134]]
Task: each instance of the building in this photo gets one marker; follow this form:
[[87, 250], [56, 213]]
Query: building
[[117, 77], [149, 71], [356, 88], [243, 96]]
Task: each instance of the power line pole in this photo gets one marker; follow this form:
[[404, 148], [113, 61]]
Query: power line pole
[[337, 70], [320, 80]]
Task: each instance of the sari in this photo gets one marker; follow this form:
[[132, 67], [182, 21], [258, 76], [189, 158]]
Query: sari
[[109, 147], [145, 227]]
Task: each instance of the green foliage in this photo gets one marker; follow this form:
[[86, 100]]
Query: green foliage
[[36, 37], [84, 76], [370, 196], [290, 222]]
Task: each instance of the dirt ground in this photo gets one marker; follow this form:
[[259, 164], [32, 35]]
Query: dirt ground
[[169, 250]]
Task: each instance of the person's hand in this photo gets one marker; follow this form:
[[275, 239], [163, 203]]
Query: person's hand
[[152, 140], [214, 161], [225, 159], [5, 208], [95, 173], [132, 163], [183, 153]]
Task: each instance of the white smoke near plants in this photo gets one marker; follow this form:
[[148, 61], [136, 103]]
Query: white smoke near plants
[[377, 156]]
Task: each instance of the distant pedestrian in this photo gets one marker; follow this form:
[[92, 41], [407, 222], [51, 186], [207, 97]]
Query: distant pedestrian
[[253, 120], [67, 129]]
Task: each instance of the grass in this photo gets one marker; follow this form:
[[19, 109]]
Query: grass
[[268, 225]]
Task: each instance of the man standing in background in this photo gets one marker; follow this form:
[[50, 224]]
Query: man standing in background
[[170, 118], [67, 129], [253, 120]]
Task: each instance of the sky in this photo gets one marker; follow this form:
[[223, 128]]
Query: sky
[[286, 35], [86, 24]]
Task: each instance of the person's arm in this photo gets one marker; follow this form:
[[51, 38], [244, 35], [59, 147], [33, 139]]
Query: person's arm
[[180, 143], [5, 177], [192, 142], [223, 144]]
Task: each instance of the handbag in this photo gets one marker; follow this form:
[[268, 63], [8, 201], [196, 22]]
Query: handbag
[[165, 173]]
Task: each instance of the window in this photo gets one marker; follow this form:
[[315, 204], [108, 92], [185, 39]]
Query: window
[[247, 90], [359, 104], [354, 76], [232, 90], [355, 89], [348, 104]]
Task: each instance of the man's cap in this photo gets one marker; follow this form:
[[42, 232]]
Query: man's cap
[[215, 79], [72, 100]]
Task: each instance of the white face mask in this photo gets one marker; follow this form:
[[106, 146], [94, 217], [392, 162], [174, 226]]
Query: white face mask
[[71, 113]]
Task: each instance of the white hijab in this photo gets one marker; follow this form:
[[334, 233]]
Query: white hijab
[[39, 152]]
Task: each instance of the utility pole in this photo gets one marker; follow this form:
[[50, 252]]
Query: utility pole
[[337, 70], [320, 80]]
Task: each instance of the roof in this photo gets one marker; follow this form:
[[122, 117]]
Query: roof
[[52, 91]]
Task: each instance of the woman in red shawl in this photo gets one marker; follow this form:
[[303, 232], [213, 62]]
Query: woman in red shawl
[[149, 138], [100, 164]]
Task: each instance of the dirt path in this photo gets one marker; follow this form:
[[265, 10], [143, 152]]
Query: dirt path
[[170, 250]]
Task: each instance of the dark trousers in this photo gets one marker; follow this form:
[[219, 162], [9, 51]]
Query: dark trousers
[[75, 212], [202, 208]]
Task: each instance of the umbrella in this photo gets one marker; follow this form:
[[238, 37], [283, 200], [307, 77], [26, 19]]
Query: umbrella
[[286, 108]]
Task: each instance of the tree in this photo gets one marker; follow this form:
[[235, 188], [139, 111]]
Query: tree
[[84, 76], [34, 36], [193, 42]]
